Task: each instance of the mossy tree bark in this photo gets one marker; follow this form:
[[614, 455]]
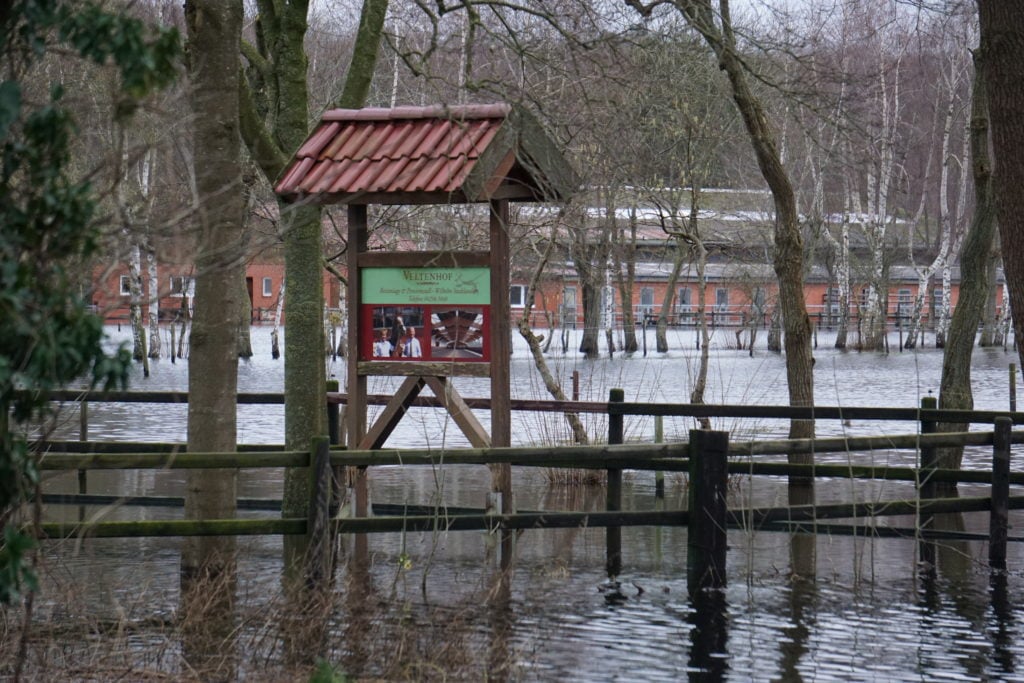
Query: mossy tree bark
[[214, 30], [975, 280], [274, 116]]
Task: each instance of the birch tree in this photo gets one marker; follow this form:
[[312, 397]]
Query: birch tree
[[952, 175]]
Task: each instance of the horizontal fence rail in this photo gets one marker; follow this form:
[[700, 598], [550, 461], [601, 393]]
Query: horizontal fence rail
[[708, 458], [600, 407]]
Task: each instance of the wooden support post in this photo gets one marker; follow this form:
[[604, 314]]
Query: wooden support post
[[706, 544], [355, 410], [999, 520], [614, 494], [659, 475], [318, 560], [501, 350]]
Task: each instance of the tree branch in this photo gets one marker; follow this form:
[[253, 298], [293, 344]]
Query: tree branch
[[265, 152]]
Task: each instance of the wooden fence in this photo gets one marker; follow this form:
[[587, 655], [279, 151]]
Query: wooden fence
[[708, 458]]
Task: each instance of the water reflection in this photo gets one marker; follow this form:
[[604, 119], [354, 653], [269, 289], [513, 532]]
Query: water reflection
[[475, 607], [709, 635]]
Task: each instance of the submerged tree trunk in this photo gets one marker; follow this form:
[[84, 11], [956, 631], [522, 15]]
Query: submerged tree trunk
[[135, 302], [275, 347], [244, 327], [627, 280], [990, 320], [661, 335]]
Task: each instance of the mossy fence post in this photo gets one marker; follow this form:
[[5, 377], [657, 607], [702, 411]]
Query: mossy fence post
[[999, 520], [614, 496], [706, 538], [926, 489], [83, 436]]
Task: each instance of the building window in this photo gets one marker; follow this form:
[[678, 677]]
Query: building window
[[181, 286], [569, 307], [646, 301], [904, 299], [684, 301], [126, 285], [832, 300], [722, 299], [759, 299], [517, 296], [268, 286]]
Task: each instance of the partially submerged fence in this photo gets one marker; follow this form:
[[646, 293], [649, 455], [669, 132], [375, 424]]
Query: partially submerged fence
[[708, 458]]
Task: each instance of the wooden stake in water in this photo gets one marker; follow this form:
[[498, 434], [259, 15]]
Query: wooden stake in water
[[706, 537], [659, 475], [613, 534], [999, 520], [1013, 387]]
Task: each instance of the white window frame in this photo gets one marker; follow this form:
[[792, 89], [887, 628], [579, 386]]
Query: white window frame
[[517, 296], [185, 288], [904, 301], [125, 285], [268, 286]]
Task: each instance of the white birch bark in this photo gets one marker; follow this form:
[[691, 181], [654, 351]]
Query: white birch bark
[[275, 347], [153, 286]]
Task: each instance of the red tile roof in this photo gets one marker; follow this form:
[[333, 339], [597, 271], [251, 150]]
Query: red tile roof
[[440, 153]]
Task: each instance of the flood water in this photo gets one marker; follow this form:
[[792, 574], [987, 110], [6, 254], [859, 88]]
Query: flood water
[[797, 607]]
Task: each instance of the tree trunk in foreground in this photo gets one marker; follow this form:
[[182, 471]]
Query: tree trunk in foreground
[[214, 28], [975, 285], [1002, 52]]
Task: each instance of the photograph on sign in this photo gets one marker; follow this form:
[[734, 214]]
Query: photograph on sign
[[396, 332], [457, 332]]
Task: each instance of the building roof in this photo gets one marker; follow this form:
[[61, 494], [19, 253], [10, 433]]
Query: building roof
[[416, 155]]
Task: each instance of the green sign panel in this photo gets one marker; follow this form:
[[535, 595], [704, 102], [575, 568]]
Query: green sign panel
[[462, 286]]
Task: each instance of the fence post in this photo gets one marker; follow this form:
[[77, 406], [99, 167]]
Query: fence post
[[83, 435], [706, 540], [614, 497], [659, 475], [318, 517], [926, 486], [998, 522], [339, 481], [928, 452], [1013, 387]]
